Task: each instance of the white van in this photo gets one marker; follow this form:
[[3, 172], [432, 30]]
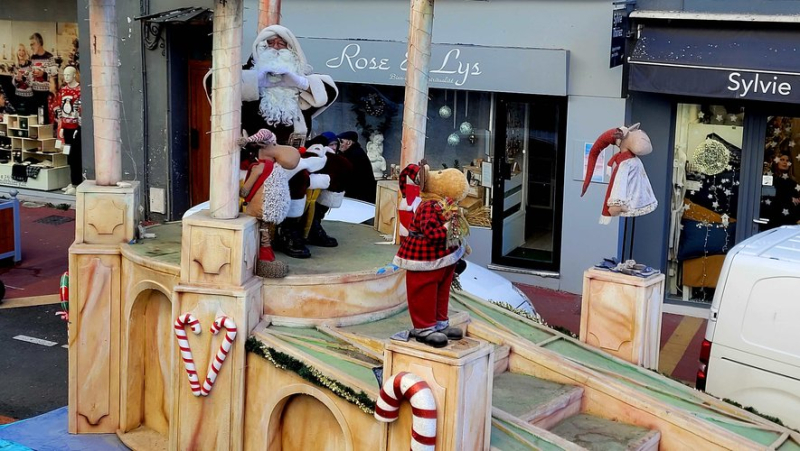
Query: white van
[[751, 352]]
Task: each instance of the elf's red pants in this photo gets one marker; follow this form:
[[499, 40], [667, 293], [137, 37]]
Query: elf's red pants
[[429, 295]]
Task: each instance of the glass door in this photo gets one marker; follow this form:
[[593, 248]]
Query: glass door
[[526, 204], [780, 191]]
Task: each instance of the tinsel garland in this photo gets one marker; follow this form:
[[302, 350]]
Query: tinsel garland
[[535, 318], [286, 362], [459, 227]]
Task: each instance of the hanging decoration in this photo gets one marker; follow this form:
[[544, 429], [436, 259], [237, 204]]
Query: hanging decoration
[[453, 140], [375, 105], [711, 157], [445, 112], [465, 128]]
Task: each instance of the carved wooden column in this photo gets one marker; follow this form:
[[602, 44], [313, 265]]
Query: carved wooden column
[[460, 376], [226, 105], [106, 216], [106, 100], [269, 13], [415, 107]]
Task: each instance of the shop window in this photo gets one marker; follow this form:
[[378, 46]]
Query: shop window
[[780, 191], [457, 131], [705, 196]]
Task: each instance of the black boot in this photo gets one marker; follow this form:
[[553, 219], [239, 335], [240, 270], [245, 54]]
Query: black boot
[[317, 235], [290, 239]]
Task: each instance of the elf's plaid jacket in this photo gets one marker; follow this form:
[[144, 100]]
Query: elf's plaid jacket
[[425, 248]]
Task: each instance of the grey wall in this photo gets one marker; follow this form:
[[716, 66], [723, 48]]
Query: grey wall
[[785, 7], [39, 11]]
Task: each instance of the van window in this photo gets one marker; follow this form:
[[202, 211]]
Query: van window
[[772, 314]]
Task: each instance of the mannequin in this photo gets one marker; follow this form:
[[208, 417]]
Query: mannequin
[[68, 112], [375, 154]]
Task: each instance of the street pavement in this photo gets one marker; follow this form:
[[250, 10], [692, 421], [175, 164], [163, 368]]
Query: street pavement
[[33, 361]]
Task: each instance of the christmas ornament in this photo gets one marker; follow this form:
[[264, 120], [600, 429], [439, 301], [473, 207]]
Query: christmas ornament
[[472, 138], [465, 128], [711, 157], [453, 139], [445, 112]]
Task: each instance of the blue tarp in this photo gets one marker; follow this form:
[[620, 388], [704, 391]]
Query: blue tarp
[[48, 432]]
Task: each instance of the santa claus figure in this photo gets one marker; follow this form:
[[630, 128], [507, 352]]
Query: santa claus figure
[[280, 93], [279, 90]]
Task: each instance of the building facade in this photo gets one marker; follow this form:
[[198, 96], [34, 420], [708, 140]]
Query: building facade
[[716, 86]]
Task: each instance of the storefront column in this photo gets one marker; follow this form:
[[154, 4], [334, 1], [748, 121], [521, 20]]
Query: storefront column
[[105, 92], [226, 122], [415, 106]]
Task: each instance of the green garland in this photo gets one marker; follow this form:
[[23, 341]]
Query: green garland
[[535, 318], [286, 362]]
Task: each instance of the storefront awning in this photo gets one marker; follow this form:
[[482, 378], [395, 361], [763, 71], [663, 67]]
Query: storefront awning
[[744, 64], [180, 15]]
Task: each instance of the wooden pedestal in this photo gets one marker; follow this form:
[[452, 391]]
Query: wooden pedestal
[[106, 214], [106, 217], [386, 206], [216, 421], [621, 315], [460, 376]]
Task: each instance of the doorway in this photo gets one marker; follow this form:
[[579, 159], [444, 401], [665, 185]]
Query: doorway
[[779, 203], [528, 181], [199, 133]]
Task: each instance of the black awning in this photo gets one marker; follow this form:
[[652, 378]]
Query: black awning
[[744, 64], [179, 15]]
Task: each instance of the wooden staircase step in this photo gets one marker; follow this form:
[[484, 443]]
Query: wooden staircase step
[[595, 433], [536, 401]]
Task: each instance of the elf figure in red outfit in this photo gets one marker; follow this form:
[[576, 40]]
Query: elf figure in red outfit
[[266, 195], [434, 245]]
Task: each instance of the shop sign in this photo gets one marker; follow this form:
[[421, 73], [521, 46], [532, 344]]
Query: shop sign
[[463, 67], [619, 33], [766, 86]]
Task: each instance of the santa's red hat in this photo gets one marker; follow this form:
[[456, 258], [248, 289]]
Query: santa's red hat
[[609, 137], [416, 174]]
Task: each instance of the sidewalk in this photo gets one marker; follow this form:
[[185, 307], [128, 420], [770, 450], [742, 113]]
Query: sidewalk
[[47, 234], [681, 336]]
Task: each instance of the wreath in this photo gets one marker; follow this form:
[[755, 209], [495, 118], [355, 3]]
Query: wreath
[[375, 105]]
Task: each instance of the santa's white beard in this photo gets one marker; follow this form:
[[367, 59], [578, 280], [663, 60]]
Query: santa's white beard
[[279, 105]]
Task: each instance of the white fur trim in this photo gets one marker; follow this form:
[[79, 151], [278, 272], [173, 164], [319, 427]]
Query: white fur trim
[[314, 164], [320, 181], [419, 265], [317, 149], [605, 220], [330, 199], [291, 41], [249, 85], [296, 208], [276, 196]]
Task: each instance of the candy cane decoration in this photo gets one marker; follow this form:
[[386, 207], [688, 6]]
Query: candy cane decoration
[[63, 291], [405, 385], [224, 349], [186, 351]]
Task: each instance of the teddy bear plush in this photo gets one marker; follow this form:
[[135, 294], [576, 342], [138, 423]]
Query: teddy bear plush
[[434, 244]]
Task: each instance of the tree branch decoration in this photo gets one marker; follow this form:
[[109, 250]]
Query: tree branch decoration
[[373, 104]]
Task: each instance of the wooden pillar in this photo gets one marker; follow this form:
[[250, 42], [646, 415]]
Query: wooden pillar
[[269, 13], [415, 108], [460, 376], [226, 108], [105, 91]]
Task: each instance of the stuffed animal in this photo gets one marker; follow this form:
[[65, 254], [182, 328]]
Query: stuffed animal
[[434, 244], [629, 191]]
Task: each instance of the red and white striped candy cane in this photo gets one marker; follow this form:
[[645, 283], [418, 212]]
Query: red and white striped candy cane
[[224, 349], [405, 385], [186, 351]]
